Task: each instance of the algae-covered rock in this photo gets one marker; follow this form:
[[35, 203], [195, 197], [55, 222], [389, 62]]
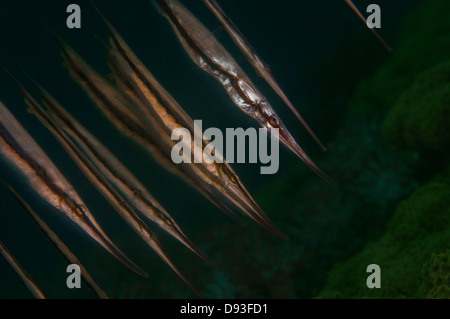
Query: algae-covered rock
[[412, 254], [413, 89], [437, 269], [421, 117], [425, 42]]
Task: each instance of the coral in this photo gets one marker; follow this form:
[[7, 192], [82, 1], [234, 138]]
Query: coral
[[410, 248], [421, 117]]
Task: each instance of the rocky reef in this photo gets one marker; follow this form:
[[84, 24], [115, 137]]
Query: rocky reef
[[413, 89], [412, 253], [420, 119]]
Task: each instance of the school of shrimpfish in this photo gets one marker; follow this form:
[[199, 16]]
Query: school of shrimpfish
[[144, 111]]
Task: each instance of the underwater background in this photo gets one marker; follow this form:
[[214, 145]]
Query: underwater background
[[384, 118]]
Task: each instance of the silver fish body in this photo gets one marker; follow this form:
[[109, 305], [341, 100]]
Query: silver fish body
[[209, 54], [23, 153], [255, 60], [143, 123], [62, 248]]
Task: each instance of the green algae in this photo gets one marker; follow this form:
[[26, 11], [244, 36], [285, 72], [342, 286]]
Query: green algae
[[328, 224], [325, 224], [437, 270], [413, 90], [421, 118], [412, 253]]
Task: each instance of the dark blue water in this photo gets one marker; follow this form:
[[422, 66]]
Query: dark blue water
[[317, 50]]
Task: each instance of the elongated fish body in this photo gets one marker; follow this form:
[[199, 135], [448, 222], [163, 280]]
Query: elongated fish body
[[65, 252], [117, 109], [151, 133], [218, 177], [258, 64], [22, 152], [115, 106], [114, 171], [100, 182], [157, 105], [211, 56], [373, 30], [29, 283]]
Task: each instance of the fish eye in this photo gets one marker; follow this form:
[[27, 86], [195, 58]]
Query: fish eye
[[168, 222], [79, 211], [233, 179], [273, 121]]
